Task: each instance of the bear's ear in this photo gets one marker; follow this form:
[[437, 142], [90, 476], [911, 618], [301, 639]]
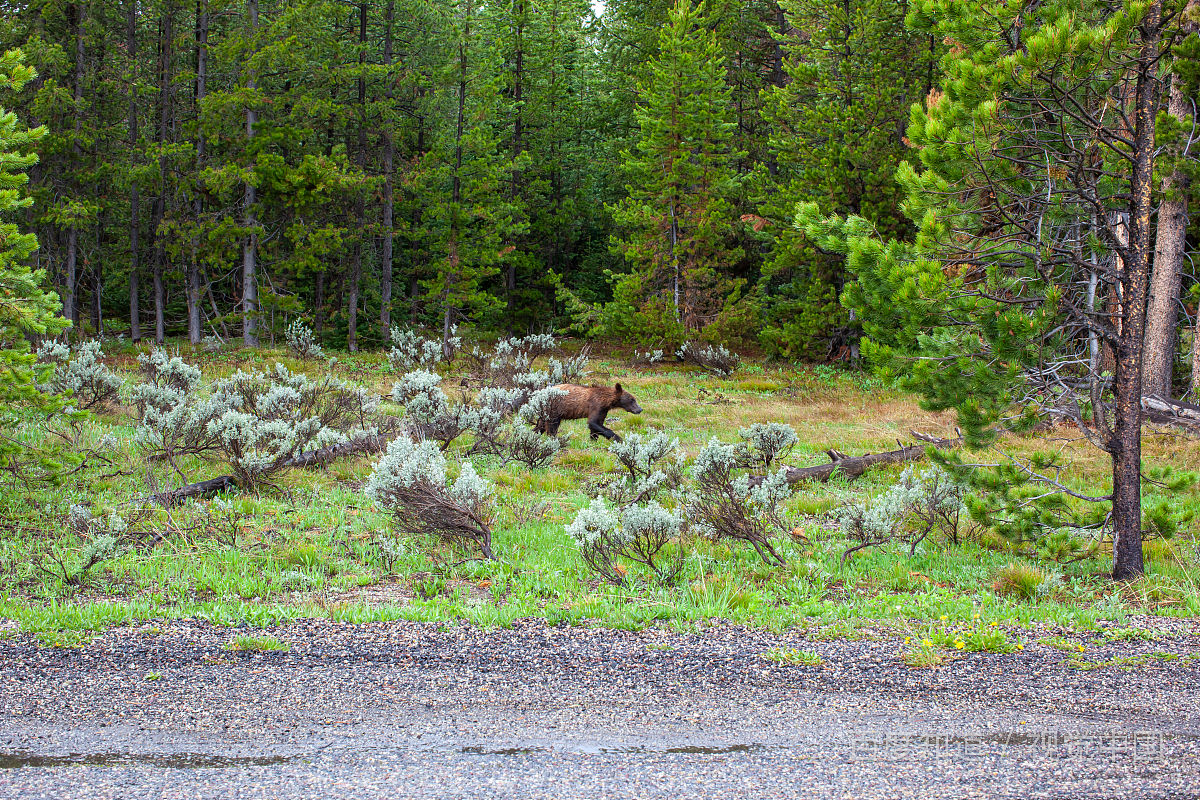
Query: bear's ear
[[618, 388]]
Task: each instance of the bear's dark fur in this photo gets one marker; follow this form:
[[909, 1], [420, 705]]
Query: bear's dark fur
[[592, 402]]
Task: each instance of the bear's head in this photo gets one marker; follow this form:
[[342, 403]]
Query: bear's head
[[626, 401]]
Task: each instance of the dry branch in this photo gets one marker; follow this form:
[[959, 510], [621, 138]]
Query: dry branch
[[853, 466], [1171, 412], [375, 443]]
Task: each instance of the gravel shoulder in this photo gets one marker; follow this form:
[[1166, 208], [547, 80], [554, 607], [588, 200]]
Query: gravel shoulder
[[446, 711]]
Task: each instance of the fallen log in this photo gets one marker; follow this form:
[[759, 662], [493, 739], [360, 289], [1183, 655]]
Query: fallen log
[[853, 466], [1165, 411], [375, 443]]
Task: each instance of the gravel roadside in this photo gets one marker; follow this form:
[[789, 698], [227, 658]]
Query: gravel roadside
[[447, 711]]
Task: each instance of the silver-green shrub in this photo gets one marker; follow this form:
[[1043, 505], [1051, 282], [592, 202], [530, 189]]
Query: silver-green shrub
[[918, 504], [765, 443], [81, 373], [272, 417], [301, 341], [412, 351], [725, 504], [713, 358], [410, 482], [639, 527]]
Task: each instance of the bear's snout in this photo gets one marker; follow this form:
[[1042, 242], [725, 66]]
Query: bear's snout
[[636, 408]]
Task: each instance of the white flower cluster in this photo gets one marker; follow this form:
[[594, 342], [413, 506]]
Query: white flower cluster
[[411, 350], [301, 341], [81, 373]]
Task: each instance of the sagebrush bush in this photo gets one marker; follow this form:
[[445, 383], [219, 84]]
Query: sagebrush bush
[[301, 341], [80, 373], [714, 358], [173, 415], [412, 351], [639, 528], [259, 422], [766, 443], [410, 482], [272, 417], [918, 504], [724, 504], [638, 533]]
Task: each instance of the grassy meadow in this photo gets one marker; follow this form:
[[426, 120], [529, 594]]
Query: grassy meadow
[[314, 545]]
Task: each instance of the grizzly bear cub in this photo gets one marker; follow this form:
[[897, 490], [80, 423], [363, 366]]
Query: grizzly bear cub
[[592, 402]]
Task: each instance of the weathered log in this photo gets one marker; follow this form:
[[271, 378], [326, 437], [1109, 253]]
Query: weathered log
[[202, 489], [1165, 411], [376, 443], [853, 466]]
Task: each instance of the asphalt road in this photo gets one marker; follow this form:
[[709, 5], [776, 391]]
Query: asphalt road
[[405, 710]]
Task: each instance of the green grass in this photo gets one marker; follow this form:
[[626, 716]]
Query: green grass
[[793, 657], [257, 644], [314, 546]]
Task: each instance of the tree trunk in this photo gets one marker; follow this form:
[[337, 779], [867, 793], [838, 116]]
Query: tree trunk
[[1161, 331], [518, 144], [319, 303], [385, 259], [166, 55], [250, 243], [1135, 280], [356, 273], [135, 320], [71, 295], [193, 275]]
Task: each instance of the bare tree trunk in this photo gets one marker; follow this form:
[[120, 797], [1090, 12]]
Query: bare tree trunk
[[71, 295], [250, 244], [319, 302], [356, 273], [385, 260], [1161, 316], [135, 202], [193, 272], [1135, 281], [166, 54]]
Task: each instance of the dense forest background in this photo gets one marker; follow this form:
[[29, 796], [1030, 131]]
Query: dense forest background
[[512, 165]]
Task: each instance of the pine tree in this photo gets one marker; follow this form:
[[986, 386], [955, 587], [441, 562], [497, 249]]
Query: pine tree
[[677, 220], [27, 306], [853, 71], [1033, 197], [467, 178]]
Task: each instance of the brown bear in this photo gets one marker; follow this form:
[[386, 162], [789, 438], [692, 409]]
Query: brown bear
[[592, 402]]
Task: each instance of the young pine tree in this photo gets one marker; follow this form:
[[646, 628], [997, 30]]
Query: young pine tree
[[1023, 296], [677, 220], [27, 307]]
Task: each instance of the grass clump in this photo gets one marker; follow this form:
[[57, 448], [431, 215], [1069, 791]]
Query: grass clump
[[1023, 581], [257, 644], [925, 655], [794, 657]]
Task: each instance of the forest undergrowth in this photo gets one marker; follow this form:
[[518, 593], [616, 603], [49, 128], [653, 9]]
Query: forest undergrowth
[[310, 542]]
